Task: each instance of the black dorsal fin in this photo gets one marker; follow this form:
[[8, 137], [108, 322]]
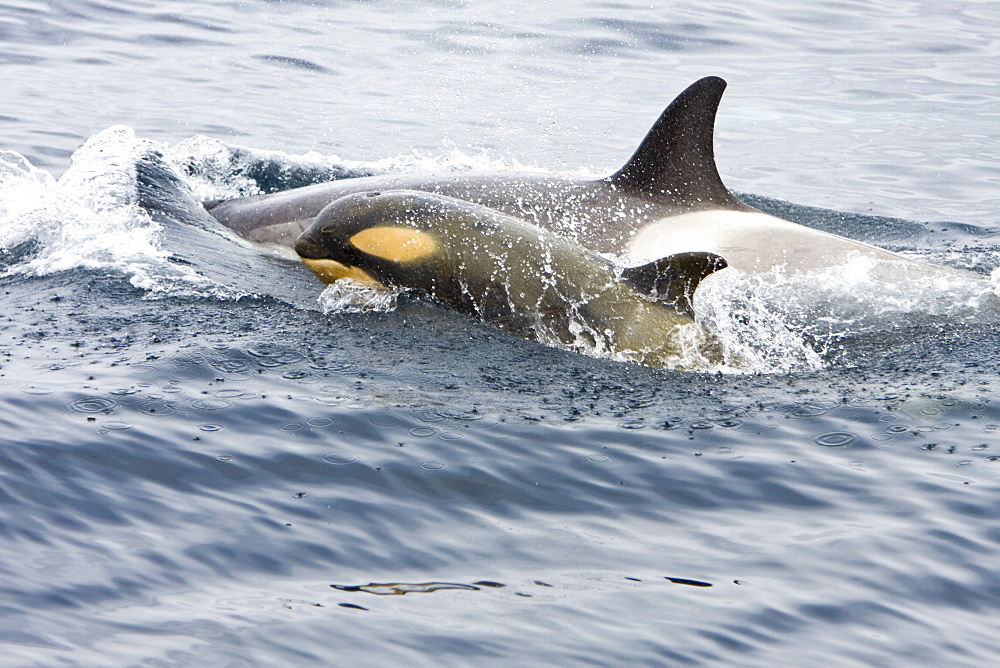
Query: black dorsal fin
[[677, 157], [673, 279]]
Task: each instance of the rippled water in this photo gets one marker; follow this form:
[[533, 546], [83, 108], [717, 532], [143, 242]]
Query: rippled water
[[198, 465]]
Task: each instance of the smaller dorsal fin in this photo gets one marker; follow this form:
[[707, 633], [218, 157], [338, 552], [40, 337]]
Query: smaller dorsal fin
[[673, 279], [677, 157]]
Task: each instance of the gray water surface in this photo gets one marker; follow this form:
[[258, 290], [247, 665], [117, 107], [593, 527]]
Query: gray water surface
[[198, 466]]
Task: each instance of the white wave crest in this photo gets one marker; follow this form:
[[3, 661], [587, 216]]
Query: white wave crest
[[90, 217], [778, 322]]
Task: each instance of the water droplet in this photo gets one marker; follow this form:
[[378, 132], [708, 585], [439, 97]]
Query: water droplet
[[385, 420], [291, 426], [319, 422], [835, 439], [432, 466], [211, 404], [339, 458], [93, 405], [116, 425], [229, 394], [422, 431], [225, 458], [807, 411], [231, 366], [156, 408], [210, 427], [270, 356], [450, 436], [178, 371]]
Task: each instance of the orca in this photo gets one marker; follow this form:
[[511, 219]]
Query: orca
[[515, 275], [668, 198]]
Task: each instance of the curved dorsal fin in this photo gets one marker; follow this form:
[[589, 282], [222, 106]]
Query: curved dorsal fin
[[677, 158], [673, 279]]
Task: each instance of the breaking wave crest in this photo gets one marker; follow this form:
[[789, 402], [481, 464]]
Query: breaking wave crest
[[86, 219], [782, 323], [90, 218]]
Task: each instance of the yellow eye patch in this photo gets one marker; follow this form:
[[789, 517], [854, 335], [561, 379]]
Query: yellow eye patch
[[329, 271], [397, 244]]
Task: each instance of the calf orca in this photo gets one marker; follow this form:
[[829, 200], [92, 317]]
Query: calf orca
[[515, 275]]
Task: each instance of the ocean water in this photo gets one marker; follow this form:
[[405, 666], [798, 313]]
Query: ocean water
[[205, 459]]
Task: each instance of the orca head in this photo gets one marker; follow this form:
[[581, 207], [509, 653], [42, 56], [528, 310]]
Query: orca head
[[367, 236]]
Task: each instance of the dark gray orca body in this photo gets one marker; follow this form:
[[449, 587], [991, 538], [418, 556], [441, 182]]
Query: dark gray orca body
[[672, 172], [515, 275], [667, 199]]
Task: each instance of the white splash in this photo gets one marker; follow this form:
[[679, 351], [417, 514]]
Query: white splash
[[217, 170], [350, 296], [90, 218], [778, 322], [86, 219]]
